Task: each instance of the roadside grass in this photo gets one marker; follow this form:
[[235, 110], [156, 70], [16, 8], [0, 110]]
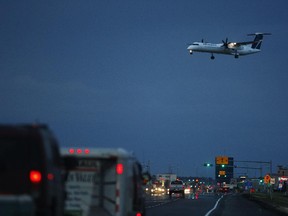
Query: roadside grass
[[278, 199]]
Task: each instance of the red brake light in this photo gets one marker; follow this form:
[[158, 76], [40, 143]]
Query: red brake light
[[35, 176], [50, 176], [138, 214], [86, 151], [79, 151], [71, 151], [119, 169]]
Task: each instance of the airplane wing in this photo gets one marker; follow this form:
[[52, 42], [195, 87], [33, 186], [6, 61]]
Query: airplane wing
[[237, 44]]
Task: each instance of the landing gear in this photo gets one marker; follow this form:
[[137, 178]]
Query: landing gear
[[212, 57], [236, 55], [191, 52]]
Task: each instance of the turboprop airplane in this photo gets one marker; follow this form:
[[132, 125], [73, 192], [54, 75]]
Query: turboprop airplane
[[229, 48]]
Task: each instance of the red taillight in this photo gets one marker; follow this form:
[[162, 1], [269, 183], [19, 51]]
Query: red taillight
[[71, 151], [50, 176], [79, 151], [138, 214], [119, 169], [86, 151], [35, 176]]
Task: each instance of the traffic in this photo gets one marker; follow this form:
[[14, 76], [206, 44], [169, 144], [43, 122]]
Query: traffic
[[38, 178]]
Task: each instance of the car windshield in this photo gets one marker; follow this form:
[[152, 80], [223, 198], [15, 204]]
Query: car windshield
[[177, 182]]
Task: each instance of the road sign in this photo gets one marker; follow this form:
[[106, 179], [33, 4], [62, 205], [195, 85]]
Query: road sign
[[222, 160], [267, 179], [222, 172]]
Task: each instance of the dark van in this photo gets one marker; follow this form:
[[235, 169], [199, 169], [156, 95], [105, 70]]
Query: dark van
[[30, 164]]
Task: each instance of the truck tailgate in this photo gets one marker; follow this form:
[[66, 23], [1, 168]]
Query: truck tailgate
[[91, 188]]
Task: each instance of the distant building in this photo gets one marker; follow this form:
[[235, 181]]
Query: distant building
[[282, 171]]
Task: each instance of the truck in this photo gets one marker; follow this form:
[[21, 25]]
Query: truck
[[31, 169], [166, 179], [104, 182], [177, 186]]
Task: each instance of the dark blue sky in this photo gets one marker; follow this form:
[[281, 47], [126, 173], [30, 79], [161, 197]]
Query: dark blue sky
[[117, 74]]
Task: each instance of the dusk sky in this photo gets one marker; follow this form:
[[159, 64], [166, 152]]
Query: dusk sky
[[118, 74]]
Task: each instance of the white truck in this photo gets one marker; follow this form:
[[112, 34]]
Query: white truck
[[177, 186], [104, 182]]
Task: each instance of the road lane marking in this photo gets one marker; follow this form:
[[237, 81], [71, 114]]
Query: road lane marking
[[216, 204], [162, 203]]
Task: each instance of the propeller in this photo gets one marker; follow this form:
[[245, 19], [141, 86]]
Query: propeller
[[225, 43]]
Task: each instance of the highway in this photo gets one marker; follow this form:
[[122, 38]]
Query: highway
[[163, 205], [205, 205]]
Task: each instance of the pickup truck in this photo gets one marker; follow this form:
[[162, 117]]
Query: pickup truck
[[177, 186]]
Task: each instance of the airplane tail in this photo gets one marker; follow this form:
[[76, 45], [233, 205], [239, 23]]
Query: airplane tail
[[258, 39]]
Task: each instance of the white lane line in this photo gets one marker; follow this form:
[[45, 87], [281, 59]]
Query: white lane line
[[162, 203], [208, 213]]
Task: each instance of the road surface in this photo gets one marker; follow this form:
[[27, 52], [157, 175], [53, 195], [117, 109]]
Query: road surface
[[206, 205]]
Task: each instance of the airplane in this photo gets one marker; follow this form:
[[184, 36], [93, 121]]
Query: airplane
[[229, 48]]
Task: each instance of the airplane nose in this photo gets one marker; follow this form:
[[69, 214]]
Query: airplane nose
[[190, 49]]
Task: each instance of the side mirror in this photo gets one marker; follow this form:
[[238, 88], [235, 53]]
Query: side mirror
[[146, 177]]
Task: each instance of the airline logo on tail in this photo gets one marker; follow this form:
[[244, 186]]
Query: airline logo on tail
[[258, 40]]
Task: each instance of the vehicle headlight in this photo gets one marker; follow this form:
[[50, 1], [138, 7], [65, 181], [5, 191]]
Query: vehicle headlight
[[187, 190]]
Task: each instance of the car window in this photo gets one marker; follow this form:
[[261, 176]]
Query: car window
[[55, 154], [47, 146], [18, 153], [177, 182]]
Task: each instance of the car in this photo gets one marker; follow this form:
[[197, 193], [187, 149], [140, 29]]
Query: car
[[177, 186], [187, 190], [31, 165], [158, 190], [224, 190]]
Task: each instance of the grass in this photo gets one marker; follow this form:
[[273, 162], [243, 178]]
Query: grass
[[278, 199]]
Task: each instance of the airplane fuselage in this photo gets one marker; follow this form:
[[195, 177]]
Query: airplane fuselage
[[219, 48]]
